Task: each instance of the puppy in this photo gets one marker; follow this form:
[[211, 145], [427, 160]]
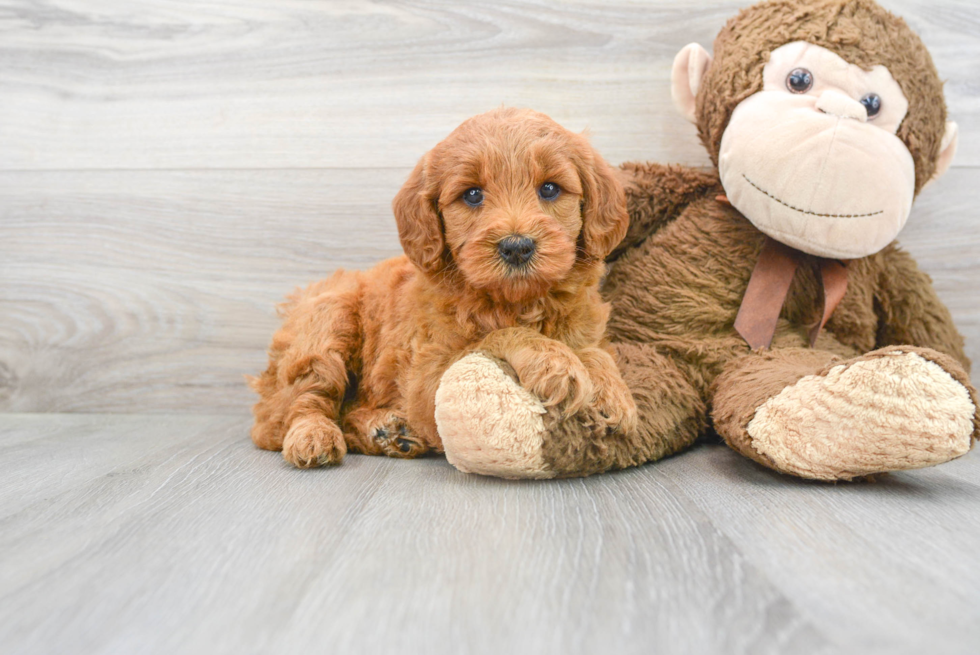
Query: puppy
[[505, 226]]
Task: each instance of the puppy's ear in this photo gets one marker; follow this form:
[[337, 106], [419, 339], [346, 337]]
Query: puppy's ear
[[604, 216], [419, 223]]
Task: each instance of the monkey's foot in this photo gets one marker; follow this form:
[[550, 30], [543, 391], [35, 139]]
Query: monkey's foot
[[489, 424], [891, 410]]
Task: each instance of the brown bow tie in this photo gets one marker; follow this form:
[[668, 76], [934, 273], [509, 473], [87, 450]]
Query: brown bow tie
[[769, 284]]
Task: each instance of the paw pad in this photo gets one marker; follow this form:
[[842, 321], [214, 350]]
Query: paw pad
[[396, 439]]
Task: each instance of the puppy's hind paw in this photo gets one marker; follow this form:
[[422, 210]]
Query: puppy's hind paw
[[396, 439], [313, 441]]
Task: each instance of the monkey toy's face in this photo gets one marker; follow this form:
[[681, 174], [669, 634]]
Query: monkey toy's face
[[813, 159]]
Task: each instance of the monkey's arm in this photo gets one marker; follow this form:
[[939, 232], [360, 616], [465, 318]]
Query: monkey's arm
[[909, 311], [657, 193]]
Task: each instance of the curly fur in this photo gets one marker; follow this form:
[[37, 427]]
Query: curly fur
[[359, 357]]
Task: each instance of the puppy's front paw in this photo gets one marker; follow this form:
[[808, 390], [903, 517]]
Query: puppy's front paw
[[396, 439], [313, 441], [556, 376], [614, 408], [614, 403]]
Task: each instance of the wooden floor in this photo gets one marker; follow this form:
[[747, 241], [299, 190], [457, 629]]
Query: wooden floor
[[169, 169], [138, 534]]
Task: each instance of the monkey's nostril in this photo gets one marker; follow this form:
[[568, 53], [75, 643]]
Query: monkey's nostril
[[516, 249]]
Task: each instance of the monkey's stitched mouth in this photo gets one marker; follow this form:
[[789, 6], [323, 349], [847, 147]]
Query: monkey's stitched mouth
[[803, 211]]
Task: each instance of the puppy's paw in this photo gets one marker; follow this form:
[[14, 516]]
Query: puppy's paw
[[613, 408], [614, 404], [558, 377], [313, 441], [396, 439]]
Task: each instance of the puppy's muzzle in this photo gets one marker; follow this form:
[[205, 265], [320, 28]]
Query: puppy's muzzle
[[516, 250]]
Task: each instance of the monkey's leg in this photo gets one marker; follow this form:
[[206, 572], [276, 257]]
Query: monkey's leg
[[490, 424], [812, 414]]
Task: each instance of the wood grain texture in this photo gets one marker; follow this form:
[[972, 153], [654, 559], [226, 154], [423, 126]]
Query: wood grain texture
[[871, 563], [173, 534], [140, 291], [154, 291], [170, 169], [289, 84]]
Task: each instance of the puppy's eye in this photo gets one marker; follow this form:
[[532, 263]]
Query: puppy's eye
[[799, 80], [473, 196], [549, 191]]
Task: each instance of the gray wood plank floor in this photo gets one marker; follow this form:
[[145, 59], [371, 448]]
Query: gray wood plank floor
[[169, 170], [137, 534]]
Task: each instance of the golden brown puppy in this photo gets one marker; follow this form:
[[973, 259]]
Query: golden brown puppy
[[505, 225]]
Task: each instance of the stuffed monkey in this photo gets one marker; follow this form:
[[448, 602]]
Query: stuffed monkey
[[766, 300]]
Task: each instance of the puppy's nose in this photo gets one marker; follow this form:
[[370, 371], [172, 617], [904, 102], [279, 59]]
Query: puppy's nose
[[516, 249]]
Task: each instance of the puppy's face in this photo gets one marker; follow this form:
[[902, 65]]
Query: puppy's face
[[514, 202], [511, 210]]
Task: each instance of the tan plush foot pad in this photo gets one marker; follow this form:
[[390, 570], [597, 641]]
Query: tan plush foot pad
[[488, 423], [889, 413]]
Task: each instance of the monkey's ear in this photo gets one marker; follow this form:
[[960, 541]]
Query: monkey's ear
[[604, 216], [419, 223], [947, 149], [690, 65]]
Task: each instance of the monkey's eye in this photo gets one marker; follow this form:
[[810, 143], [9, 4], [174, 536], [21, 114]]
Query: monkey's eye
[[872, 102], [549, 191], [473, 196], [799, 80]]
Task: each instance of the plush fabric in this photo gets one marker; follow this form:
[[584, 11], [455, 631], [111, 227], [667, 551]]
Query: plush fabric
[[805, 168], [846, 421], [860, 31], [884, 387], [486, 398]]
